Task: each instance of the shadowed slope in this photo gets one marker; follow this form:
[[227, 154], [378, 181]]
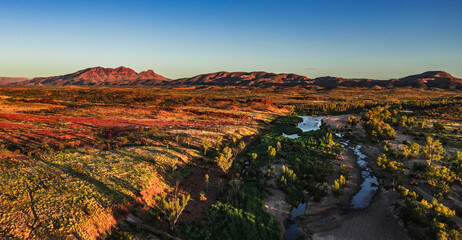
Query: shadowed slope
[[11, 80], [255, 79]]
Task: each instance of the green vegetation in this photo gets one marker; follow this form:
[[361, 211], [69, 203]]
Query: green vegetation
[[225, 159], [240, 213], [74, 161], [455, 164], [171, 207], [74, 192], [374, 122], [287, 176], [206, 144], [433, 151], [410, 150], [433, 217], [391, 168], [338, 185], [352, 122], [424, 220], [241, 218]]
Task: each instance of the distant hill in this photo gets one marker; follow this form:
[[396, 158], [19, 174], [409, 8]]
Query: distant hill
[[99, 76], [11, 80], [432, 79], [122, 76], [254, 79]]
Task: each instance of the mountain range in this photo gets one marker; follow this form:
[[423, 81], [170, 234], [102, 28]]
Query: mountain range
[[11, 80], [126, 77], [99, 76]]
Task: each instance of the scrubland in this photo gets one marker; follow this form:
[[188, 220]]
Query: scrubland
[[105, 163]]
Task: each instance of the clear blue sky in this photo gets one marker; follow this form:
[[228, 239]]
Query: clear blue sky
[[345, 38]]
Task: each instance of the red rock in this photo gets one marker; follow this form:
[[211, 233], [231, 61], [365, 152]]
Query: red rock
[[99, 76], [123, 76]]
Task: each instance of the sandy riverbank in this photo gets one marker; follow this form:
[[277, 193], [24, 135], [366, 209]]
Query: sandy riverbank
[[377, 221]]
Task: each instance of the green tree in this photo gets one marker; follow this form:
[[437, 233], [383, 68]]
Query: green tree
[[422, 124], [440, 177], [270, 172], [391, 168], [241, 145], [236, 194], [352, 122], [254, 156], [336, 188], [456, 164], [287, 175], [378, 130], [271, 153], [410, 150], [207, 182], [432, 151], [342, 180], [225, 159], [327, 141], [405, 151], [234, 141], [218, 142], [375, 123], [415, 149], [278, 146], [206, 144], [171, 207], [338, 185]]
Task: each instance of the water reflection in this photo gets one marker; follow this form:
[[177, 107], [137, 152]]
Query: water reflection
[[370, 184], [308, 124]]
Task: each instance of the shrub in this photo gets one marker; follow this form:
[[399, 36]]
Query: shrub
[[225, 159], [171, 207], [432, 151], [206, 144]]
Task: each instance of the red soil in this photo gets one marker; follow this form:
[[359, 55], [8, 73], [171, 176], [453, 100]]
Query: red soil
[[59, 131], [15, 126], [88, 122]]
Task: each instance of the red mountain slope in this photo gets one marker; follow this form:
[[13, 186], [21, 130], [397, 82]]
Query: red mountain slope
[[11, 80], [99, 76], [122, 76]]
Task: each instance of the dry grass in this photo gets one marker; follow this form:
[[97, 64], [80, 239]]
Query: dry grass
[[77, 191]]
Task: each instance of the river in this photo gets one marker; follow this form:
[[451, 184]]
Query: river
[[360, 200]]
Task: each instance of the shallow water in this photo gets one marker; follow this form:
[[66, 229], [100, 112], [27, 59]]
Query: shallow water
[[291, 136], [292, 233], [360, 200], [370, 184], [308, 124], [298, 211], [246, 165]]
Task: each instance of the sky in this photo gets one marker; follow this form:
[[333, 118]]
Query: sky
[[344, 38]]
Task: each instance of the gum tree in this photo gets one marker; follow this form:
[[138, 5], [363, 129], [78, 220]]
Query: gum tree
[[433, 151]]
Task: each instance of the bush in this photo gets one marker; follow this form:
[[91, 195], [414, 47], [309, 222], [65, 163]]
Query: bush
[[225, 159], [171, 207]]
